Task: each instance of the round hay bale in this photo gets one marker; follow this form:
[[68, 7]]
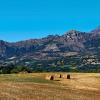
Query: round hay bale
[[68, 76], [60, 76], [47, 77], [51, 77]]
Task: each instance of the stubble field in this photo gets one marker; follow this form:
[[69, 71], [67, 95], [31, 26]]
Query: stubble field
[[37, 86]]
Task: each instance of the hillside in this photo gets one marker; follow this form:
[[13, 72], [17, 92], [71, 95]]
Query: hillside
[[81, 48]]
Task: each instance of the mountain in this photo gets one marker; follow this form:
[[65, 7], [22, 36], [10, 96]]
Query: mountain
[[72, 41], [74, 48]]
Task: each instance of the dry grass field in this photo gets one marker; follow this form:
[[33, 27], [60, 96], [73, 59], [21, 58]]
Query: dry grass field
[[37, 86]]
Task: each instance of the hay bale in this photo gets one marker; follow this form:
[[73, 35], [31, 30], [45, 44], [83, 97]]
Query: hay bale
[[68, 76], [51, 77], [60, 76], [47, 77]]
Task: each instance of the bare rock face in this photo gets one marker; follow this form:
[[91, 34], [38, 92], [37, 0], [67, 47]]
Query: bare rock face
[[51, 47]]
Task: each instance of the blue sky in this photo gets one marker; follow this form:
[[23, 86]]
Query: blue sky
[[25, 19]]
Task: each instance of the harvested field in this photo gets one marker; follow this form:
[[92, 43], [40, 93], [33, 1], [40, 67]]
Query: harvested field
[[35, 86]]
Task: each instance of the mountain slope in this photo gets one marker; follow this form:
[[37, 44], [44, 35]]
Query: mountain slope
[[72, 41]]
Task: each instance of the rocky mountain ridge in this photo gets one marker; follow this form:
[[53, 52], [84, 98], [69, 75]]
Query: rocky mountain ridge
[[53, 46]]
